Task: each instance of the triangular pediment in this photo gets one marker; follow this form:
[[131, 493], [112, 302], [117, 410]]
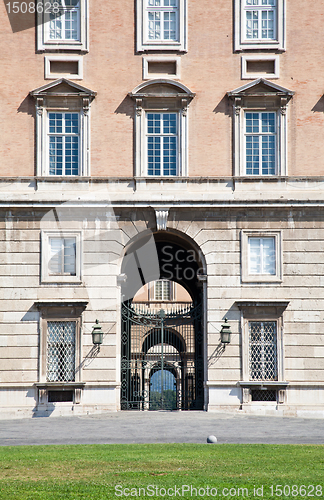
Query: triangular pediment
[[63, 87], [259, 87]]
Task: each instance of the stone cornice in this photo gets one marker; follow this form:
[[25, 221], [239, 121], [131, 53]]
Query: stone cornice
[[162, 193]]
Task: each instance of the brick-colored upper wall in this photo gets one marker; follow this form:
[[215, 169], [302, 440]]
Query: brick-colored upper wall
[[209, 68]]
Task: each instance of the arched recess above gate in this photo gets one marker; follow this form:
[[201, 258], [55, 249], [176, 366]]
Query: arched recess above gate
[[169, 255]]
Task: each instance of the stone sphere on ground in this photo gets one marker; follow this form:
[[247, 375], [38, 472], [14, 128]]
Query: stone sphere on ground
[[212, 439]]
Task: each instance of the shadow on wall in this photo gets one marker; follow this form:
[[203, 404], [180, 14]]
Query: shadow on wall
[[20, 17], [223, 106], [27, 106], [126, 107], [319, 106]]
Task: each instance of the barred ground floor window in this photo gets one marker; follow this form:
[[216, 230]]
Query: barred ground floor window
[[263, 350], [60, 352], [60, 366], [263, 378]]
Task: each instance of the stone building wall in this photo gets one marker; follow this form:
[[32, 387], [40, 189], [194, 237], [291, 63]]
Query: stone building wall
[[218, 234]]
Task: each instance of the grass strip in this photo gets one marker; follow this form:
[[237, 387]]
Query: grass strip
[[225, 471]]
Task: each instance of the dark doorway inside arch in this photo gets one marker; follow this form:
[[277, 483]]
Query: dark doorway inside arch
[[162, 365]]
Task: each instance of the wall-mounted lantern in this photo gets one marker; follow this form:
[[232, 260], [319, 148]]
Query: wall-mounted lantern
[[225, 333], [97, 335]]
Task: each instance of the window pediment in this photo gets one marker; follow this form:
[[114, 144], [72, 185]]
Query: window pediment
[[155, 90], [260, 128], [161, 122], [261, 87], [62, 121], [63, 88], [251, 308], [261, 93]]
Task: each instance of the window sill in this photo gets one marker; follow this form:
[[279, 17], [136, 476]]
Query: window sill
[[75, 280], [275, 45], [258, 384], [48, 46], [176, 46], [60, 385], [264, 279], [72, 389], [50, 304]]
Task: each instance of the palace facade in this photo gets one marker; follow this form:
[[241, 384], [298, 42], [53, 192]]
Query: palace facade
[[161, 170]]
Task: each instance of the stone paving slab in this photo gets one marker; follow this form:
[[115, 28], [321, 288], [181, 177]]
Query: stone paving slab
[[161, 427]]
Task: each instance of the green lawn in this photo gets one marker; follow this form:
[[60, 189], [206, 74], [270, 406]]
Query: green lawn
[[161, 471]]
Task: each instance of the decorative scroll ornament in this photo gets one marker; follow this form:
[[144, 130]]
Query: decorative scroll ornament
[[238, 105], [161, 219], [40, 106], [86, 106], [139, 106], [283, 105]]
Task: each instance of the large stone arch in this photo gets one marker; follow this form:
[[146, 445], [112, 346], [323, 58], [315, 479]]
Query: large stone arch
[[150, 256]]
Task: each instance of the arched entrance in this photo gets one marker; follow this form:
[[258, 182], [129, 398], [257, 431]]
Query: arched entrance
[[162, 365]]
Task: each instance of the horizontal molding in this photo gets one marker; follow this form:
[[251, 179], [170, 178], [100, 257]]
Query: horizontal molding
[[262, 383]]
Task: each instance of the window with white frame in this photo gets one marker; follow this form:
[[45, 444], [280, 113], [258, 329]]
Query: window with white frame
[[261, 256], [263, 350], [62, 24], [259, 24], [162, 143], [260, 19], [162, 290], [162, 19], [260, 135], [260, 143], [161, 123], [63, 129], [61, 257], [161, 25], [63, 143]]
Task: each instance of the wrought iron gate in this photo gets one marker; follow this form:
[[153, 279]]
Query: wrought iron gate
[[162, 358]]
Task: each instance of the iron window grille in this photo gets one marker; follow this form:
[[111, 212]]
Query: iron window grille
[[263, 363], [61, 351], [261, 395]]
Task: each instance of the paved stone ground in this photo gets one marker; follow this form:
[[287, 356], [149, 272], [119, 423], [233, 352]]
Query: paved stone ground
[[161, 427]]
